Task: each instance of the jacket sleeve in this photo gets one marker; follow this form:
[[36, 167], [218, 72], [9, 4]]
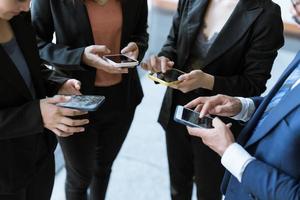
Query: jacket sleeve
[[28, 118], [55, 54], [141, 36], [267, 38], [169, 49], [266, 182], [53, 80]]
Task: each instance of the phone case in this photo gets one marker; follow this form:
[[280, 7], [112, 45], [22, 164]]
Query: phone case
[[168, 84]]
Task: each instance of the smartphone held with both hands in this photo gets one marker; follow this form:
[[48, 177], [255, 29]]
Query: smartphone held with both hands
[[121, 60], [169, 78], [86, 103], [191, 118]]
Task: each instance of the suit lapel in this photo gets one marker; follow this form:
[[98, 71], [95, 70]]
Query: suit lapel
[[248, 130], [290, 101], [196, 12], [27, 43], [12, 75], [243, 16]]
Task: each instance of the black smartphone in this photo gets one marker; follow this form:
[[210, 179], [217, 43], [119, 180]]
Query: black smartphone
[[85, 103], [191, 118]]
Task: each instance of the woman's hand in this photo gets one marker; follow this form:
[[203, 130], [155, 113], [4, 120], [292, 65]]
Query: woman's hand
[[57, 119], [131, 50], [92, 56], [158, 64], [70, 87], [194, 80]]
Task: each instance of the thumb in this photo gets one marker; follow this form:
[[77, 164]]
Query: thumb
[[217, 122], [77, 84], [101, 49], [184, 77], [58, 99]]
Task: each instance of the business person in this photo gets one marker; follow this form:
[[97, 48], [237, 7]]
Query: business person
[[264, 162], [225, 47], [86, 30], [26, 116]]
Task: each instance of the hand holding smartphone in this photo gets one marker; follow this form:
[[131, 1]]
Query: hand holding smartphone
[[121, 60], [85, 103], [191, 118], [168, 78]]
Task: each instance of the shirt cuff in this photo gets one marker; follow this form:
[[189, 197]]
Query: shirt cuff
[[248, 108], [235, 159]]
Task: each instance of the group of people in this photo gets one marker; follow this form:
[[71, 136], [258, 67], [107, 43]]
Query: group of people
[[226, 47]]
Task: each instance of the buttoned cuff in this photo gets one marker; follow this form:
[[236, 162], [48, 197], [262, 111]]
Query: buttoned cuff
[[235, 159], [248, 108]]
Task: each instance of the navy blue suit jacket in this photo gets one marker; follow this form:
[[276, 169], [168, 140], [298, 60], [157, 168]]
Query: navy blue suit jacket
[[275, 174]]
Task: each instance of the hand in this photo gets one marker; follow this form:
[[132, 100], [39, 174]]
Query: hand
[[158, 64], [57, 118], [218, 138], [131, 50], [194, 80], [295, 11], [92, 57], [70, 87], [221, 105]]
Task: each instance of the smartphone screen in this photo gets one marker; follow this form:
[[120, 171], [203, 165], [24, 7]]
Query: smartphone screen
[[120, 59], [170, 75], [83, 102], [193, 117]]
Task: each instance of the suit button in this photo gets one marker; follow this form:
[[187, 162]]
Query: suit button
[[251, 196]]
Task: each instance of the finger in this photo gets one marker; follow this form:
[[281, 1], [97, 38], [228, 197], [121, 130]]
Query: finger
[[129, 48], [77, 85], [71, 122], [69, 129], [60, 133], [183, 77], [195, 102], [153, 64], [198, 108], [58, 99], [145, 66], [70, 112], [229, 125], [101, 49], [198, 132], [166, 64], [217, 123]]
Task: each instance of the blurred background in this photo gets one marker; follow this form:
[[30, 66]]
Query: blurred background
[[140, 171]]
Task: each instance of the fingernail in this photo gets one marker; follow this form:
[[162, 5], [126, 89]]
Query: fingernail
[[82, 129]]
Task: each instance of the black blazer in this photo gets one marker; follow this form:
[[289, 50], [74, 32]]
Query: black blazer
[[71, 25], [241, 57], [21, 125]]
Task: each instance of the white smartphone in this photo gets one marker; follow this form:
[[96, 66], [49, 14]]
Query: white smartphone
[[121, 60], [191, 118]]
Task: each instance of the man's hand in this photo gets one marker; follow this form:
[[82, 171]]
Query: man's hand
[[57, 119], [158, 64], [131, 50], [194, 80], [218, 138], [70, 87], [221, 105]]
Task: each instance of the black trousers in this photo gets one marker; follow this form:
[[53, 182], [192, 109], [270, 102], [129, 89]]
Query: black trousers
[[89, 156], [190, 161], [41, 185]]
